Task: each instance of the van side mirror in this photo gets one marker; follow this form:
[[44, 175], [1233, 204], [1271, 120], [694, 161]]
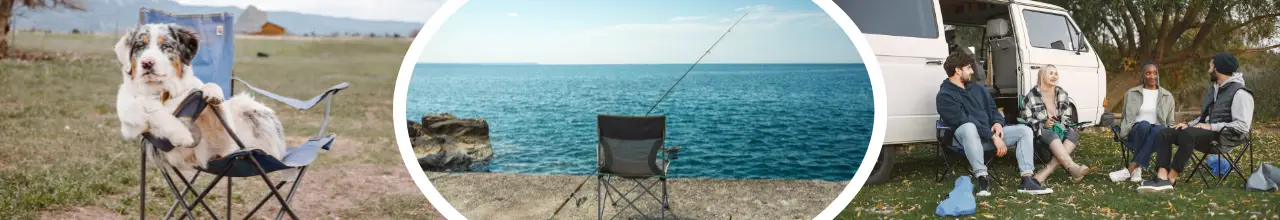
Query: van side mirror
[[1080, 45]]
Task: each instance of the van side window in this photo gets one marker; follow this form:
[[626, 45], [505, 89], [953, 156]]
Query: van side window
[[1050, 31], [905, 18]]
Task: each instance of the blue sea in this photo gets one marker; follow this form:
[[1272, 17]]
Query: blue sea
[[755, 121]]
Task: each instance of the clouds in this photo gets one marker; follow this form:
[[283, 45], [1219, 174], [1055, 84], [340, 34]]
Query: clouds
[[755, 8], [688, 18], [758, 17], [640, 31]]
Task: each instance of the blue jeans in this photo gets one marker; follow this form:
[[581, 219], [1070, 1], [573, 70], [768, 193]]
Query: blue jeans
[[1142, 141], [1017, 137]]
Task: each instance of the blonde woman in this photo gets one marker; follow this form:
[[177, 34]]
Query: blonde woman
[[1047, 111]]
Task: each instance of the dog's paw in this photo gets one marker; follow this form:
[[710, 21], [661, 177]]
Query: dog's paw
[[182, 141], [212, 93]]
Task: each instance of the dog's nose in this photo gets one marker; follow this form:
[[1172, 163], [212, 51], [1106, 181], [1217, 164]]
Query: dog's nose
[[148, 63]]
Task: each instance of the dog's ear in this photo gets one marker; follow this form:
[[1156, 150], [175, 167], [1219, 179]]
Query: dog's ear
[[125, 46], [189, 39], [124, 51]]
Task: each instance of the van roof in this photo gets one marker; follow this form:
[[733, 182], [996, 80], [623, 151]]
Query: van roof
[[1034, 4]]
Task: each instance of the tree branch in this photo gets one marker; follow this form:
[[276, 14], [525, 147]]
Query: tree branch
[[1121, 45], [1166, 26], [1250, 21], [1206, 28], [1199, 56]]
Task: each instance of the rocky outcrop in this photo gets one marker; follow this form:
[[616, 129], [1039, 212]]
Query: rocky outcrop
[[443, 142]]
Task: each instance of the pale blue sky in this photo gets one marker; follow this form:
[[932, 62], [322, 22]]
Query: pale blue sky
[[638, 31]]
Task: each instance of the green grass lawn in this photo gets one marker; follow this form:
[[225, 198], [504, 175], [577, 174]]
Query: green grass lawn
[[914, 194], [63, 156]]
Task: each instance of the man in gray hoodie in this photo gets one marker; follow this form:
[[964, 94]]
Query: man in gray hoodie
[[1224, 122]]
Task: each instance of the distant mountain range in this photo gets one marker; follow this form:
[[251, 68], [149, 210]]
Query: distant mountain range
[[114, 15]]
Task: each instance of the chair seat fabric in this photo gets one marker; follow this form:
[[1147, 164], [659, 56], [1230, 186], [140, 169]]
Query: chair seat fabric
[[242, 165]]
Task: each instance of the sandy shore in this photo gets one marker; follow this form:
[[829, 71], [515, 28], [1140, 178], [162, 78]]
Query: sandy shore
[[530, 196]]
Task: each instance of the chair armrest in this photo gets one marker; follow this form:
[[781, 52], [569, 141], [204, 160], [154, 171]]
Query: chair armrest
[[1079, 124], [304, 105], [192, 105], [295, 103], [672, 153], [943, 133], [1115, 133]]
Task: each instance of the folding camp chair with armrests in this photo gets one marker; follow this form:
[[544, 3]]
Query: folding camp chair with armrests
[[629, 149], [951, 153], [1232, 159], [1125, 151], [212, 64]]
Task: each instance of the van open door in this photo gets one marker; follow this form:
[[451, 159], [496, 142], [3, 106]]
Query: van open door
[[1051, 37]]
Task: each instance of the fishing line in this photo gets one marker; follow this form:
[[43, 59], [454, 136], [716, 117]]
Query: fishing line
[[695, 63]]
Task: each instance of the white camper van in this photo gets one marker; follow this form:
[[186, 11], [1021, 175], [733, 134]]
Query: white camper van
[[1010, 40]]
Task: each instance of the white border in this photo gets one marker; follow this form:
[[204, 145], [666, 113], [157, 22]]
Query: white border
[[450, 6], [882, 112], [398, 107]]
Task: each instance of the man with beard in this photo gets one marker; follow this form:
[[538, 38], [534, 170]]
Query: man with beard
[[1225, 118], [968, 109]]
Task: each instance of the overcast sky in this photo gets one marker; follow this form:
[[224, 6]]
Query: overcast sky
[[639, 31], [397, 10]]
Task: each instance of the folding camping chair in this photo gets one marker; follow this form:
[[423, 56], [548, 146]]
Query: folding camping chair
[[212, 64], [1125, 151], [951, 154], [1042, 153], [1232, 159], [629, 149]]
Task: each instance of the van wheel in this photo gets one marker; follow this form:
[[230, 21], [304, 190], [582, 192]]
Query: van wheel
[[883, 171]]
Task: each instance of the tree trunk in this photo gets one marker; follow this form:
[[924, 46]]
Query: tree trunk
[[6, 13]]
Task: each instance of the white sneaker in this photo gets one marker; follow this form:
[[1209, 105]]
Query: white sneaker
[[1121, 175], [1136, 176]]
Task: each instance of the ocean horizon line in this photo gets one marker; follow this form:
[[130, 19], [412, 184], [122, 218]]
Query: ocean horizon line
[[585, 64]]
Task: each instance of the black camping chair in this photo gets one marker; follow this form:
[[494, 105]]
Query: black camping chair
[[1232, 159], [951, 154], [631, 149]]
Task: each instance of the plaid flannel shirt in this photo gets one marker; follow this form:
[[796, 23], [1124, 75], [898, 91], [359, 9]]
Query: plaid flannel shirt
[[1034, 113]]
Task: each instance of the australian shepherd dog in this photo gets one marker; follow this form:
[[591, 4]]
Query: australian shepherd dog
[[157, 75]]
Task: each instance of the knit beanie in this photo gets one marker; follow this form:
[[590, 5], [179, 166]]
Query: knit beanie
[[1225, 63]]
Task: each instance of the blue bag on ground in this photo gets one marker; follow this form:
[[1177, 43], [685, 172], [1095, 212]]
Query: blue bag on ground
[[960, 201], [1217, 166]]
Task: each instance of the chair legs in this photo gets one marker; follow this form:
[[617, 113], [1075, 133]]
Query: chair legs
[[605, 189], [142, 182], [284, 205], [181, 198], [950, 163], [1232, 160], [289, 198], [188, 208]]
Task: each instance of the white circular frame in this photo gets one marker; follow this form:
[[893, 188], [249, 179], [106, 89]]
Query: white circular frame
[[450, 6]]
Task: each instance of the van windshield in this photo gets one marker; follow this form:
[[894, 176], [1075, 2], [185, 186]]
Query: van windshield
[[906, 18]]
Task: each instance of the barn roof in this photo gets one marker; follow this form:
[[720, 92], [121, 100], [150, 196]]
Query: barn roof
[[251, 20]]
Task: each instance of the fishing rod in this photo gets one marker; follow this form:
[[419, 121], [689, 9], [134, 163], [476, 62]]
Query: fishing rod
[[695, 63]]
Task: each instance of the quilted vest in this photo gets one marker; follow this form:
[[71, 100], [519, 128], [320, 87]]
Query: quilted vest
[[1217, 108]]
